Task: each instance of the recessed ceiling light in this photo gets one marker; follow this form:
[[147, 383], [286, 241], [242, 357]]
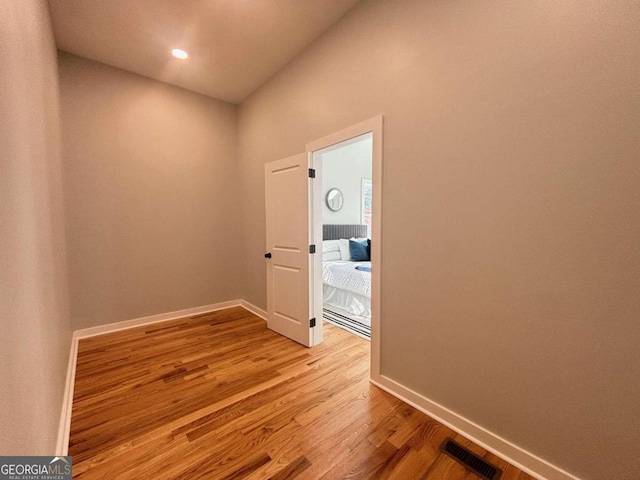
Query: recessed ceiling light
[[179, 53]]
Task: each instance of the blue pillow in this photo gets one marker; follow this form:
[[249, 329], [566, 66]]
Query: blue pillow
[[358, 251]]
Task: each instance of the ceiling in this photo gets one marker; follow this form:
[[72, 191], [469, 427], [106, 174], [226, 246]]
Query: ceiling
[[234, 45]]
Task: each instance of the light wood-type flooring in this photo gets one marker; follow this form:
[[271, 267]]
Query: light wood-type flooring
[[219, 396]]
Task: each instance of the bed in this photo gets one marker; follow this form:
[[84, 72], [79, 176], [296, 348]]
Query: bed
[[346, 290]]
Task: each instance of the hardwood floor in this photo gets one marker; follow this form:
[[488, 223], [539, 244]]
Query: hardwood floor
[[218, 396]]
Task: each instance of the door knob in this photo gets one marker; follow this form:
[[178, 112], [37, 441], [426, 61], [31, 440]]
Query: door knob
[[267, 255]]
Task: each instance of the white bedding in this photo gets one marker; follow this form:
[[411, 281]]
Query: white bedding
[[347, 288]]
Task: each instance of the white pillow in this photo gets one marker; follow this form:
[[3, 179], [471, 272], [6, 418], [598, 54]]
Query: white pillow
[[330, 246], [331, 256], [344, 250]]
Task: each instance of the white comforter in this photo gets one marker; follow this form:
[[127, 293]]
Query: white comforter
[[343, 275]]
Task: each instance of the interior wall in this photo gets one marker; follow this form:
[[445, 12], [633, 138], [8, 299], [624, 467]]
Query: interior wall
[[34, 318], [511, 220], [150, 195], [344, 168]]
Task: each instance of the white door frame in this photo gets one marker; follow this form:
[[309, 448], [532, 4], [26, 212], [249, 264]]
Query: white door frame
[[373, 125]]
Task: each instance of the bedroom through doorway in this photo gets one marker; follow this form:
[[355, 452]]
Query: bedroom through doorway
[[346, 213], [365, 223]]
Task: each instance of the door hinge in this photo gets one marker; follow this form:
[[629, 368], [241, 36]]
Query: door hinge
[[312, 322], [312, 173], [312, 249]]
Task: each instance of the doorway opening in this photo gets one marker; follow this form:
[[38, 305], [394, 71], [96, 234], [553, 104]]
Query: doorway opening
[[345, 225], [346, 191]]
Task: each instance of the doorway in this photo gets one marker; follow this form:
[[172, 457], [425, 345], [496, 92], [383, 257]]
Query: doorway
[[294, 236], [346, 233], [362, 220]]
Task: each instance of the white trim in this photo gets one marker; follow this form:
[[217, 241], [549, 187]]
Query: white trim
[[64, 430], [511, 453], [375, 126], [162, 317], [516, 456], [315, 237], [253, 309]]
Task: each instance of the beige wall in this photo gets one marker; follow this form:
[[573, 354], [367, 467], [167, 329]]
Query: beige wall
[[150, 195], [34, 321], [511, 159]]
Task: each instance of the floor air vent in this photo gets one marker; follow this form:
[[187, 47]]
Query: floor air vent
[[470, 460]]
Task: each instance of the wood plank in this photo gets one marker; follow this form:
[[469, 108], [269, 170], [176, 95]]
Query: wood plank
[[218, 396]]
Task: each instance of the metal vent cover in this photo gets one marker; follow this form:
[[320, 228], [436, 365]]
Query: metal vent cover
[[470, 460]]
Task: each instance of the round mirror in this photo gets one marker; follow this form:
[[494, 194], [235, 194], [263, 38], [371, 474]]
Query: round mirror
[[334, 199]]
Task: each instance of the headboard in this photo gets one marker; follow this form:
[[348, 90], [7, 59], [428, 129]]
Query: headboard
[[334, 232]]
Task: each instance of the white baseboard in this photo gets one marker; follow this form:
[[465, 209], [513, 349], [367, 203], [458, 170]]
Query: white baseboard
[[253, 309], [64, 430], [162, 317], [504, 449], [62, 446], [516, 456]]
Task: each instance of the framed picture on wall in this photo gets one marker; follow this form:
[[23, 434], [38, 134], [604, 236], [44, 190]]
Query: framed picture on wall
[[366, 203]]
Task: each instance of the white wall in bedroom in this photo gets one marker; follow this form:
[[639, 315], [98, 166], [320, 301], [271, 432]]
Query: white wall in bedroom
[[344, 168]]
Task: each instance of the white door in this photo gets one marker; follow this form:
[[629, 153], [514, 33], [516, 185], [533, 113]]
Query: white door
[[288, 258]]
